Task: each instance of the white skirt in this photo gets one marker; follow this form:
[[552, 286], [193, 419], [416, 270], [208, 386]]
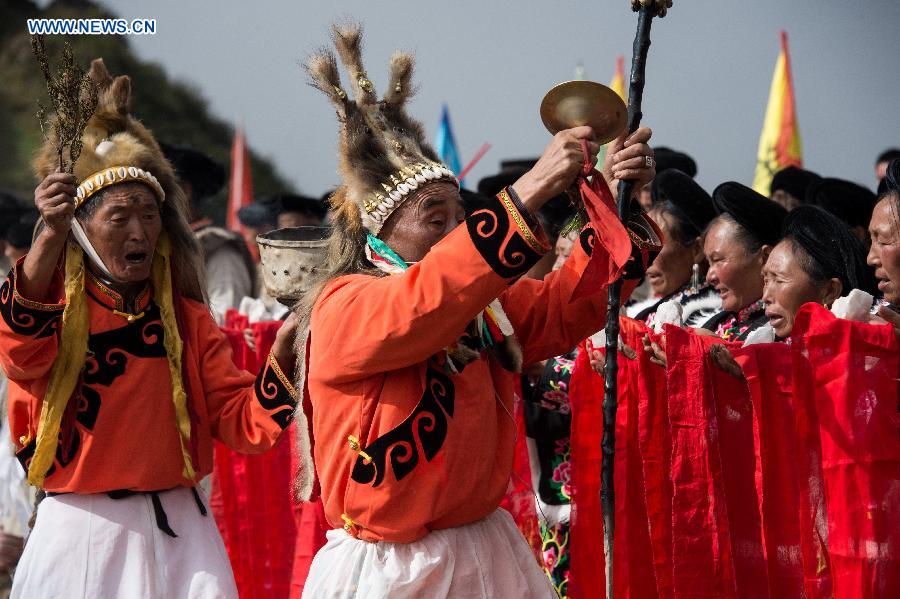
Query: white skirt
[[488, 559], [92, 546]]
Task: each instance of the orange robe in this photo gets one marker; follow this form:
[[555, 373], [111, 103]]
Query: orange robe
[[435, 450], [119, 430]]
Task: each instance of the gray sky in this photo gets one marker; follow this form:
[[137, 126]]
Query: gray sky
[[708, 76]]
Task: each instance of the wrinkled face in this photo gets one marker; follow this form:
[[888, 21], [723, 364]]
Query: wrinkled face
[[785, 199], [787, 287], [123, 229], [297, 219], [884, 254], [423, 220], [734, 270], [563, 249], [674, 265]]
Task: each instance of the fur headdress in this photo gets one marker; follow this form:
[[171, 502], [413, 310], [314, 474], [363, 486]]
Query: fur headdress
[[383, 154], [117, 148]]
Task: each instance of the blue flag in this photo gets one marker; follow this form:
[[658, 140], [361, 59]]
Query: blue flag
[[445, 144]]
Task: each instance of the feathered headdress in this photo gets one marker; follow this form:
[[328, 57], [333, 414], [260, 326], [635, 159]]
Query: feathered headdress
[[383, 154], [117, 148]]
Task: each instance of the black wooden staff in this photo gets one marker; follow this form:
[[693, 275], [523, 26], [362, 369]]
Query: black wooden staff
[[646, 12]]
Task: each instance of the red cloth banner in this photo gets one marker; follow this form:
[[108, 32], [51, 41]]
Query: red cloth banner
[[782, 484], [270, 540]]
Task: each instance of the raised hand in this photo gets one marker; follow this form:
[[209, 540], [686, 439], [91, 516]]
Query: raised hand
[[54, 198], [557, 167]]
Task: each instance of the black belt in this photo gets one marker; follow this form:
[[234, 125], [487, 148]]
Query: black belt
[[162, 520]]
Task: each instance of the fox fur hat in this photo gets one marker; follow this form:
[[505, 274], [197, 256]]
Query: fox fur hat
[[383, 156]]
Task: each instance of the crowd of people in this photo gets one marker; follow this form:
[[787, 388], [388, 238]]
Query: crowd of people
[[438, 321]]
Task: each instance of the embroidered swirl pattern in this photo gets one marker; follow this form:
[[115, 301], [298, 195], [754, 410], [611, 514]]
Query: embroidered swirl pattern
[[500, 241], [421, 434], [273, 393], [27, 318]]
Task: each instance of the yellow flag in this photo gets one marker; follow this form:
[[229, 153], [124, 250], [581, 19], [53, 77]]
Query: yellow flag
[[779, 143], [618, 81]]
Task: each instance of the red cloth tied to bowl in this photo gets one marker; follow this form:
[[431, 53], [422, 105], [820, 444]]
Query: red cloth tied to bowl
[[604, 267]]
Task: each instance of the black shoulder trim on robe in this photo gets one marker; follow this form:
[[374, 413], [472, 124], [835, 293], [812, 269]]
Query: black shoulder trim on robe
[[500, 240], [426, 427], [27, 318], [587, 238], [274, 392]]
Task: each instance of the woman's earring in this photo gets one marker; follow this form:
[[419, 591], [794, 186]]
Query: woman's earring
[[695, 278]]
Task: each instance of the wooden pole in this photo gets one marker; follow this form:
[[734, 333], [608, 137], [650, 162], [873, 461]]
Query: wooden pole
[[610, 395]]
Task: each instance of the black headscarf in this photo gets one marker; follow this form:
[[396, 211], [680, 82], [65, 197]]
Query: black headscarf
[[891, 181], [291, 202], [257, 215], [205, 175], [833, 250], [667, 158], [11, 207], [794, 181], [848, 201], [688, 203], [20, 231], [759, 216]]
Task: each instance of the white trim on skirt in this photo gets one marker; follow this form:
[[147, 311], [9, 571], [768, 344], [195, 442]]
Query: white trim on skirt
[[488, 559], [92, 546]]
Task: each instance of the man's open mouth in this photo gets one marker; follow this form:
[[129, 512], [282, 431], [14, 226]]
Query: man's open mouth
[[136, 257]]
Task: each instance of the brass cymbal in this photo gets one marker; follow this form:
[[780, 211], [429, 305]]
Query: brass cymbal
[[577, 103]]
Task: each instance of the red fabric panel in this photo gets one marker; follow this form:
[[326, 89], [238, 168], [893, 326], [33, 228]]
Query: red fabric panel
[[250, 496], [855, 397], [634, 568], [655, 446], [634, 574], [520, 499], [702, 564], [733, 456], [587, 578], [777, 452], [311, 529]]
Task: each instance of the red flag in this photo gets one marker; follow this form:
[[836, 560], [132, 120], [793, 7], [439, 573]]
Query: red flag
[[240, 185]]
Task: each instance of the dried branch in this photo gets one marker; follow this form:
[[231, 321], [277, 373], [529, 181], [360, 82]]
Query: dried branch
[[73, 99]]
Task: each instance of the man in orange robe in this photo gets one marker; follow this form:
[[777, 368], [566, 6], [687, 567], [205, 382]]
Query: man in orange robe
[[119, 378], [413, 338]]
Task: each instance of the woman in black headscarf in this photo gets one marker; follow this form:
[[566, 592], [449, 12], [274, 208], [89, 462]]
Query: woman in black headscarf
[[737, 244], [682, 209], [818, 260]]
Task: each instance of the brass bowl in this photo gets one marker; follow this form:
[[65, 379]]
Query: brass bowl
[[578, 103]]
